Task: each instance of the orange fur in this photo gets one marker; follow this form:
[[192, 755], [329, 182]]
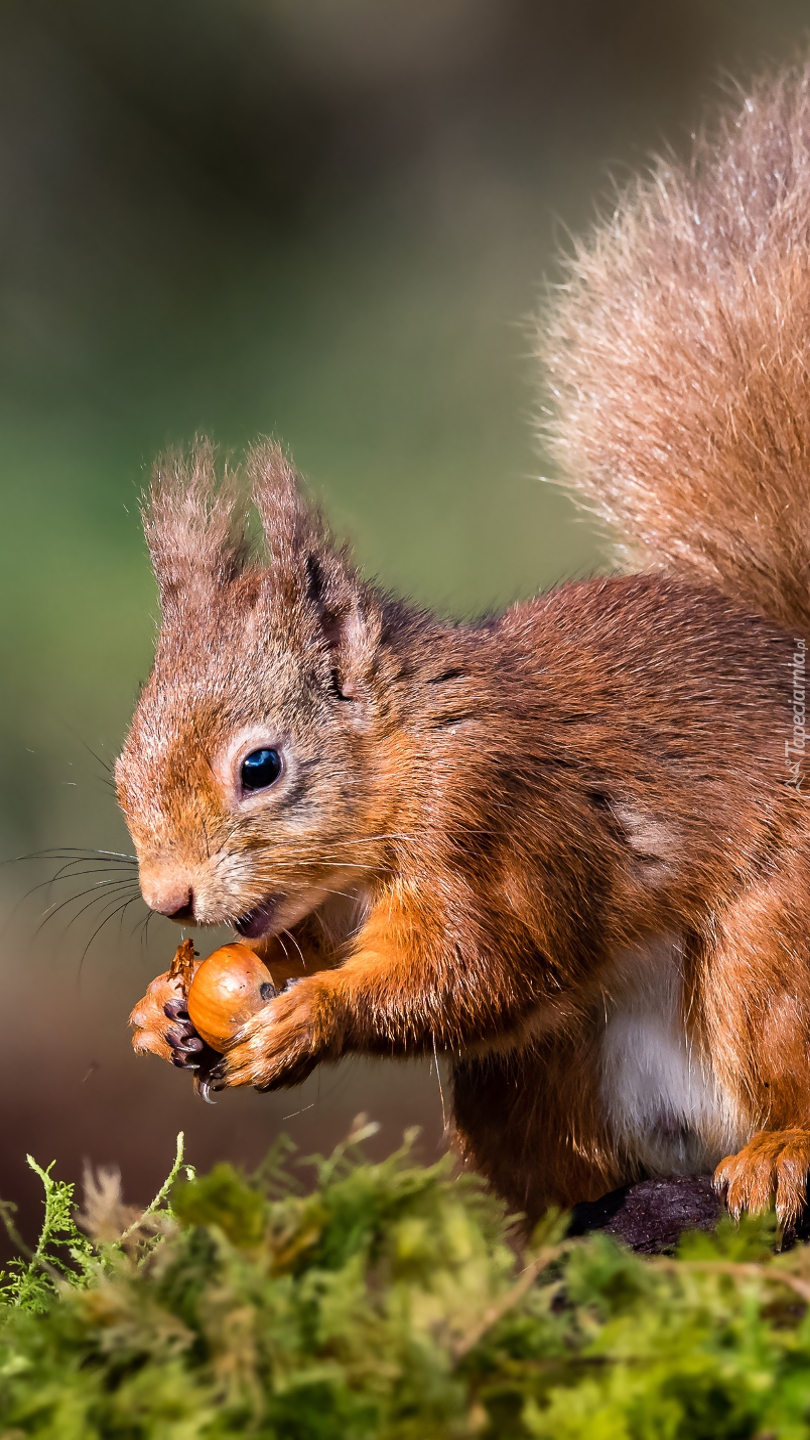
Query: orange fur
[[560, 845]]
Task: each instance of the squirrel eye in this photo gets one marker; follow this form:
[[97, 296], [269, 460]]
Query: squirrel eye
[[259, 769]]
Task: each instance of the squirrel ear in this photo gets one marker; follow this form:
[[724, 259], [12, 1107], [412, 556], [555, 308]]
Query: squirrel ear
[[308, 567], [349, 618], [195, 538]]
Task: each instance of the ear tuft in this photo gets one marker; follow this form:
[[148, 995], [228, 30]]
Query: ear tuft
[[193, 525], [292, 527]]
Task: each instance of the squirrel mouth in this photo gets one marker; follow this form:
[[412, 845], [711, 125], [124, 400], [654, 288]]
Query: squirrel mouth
[[258, 922]]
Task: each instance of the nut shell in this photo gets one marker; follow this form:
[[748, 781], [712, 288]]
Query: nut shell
[[228, 987]]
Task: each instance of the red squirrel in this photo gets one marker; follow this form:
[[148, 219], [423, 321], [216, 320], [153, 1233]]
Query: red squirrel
[[568, 846]]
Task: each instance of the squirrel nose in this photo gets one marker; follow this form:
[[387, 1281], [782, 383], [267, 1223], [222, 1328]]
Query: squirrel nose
[[183, 912], [171, 899]]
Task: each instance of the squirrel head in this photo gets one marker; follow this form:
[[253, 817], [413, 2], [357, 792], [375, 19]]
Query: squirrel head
[[246, 779]]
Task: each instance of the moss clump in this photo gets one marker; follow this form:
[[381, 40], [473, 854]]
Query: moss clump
[[387, 1304]]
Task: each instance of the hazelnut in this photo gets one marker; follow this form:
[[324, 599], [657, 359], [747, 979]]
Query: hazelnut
[[225, 990]]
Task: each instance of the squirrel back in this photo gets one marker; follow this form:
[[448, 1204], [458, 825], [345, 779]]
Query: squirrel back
[[677, 357]]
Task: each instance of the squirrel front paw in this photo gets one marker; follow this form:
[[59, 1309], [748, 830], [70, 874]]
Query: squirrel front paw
[[162, 1027], [775, 1163], [281, 1044]]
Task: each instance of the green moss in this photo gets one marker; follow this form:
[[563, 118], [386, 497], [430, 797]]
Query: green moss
[[222, 1199], [388, 1304]]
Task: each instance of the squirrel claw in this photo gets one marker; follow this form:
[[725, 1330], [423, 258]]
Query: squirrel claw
[[202, 1087], [185, 1039], [188, 1051], [176, 1010]]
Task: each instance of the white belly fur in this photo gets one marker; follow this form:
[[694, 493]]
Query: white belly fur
[[661, 1099]]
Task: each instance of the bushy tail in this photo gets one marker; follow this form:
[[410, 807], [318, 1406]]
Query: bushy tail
[[677, 355]]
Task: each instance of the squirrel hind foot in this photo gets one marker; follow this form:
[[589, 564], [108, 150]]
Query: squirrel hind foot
[[772, 1166]]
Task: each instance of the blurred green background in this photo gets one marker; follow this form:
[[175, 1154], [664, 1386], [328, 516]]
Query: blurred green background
[[327, 219]]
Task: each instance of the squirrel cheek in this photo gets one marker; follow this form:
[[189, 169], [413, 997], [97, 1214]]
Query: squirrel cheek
[[227, 988]]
